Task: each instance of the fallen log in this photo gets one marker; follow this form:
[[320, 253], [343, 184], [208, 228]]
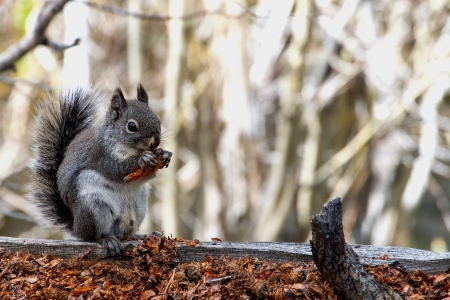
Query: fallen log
[[407, 258]]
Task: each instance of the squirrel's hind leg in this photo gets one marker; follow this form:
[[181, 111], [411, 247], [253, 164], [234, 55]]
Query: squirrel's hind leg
[[94, 221]]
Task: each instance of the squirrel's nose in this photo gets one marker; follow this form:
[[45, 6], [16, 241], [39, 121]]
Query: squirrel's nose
[[154, 142]]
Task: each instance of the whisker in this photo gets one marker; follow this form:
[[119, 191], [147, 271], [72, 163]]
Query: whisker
[[167, 134]]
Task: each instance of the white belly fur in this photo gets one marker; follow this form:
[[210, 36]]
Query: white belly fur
[[126, 201]]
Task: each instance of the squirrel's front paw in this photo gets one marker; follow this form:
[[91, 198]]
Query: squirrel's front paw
[[164, 155], [147, 158]]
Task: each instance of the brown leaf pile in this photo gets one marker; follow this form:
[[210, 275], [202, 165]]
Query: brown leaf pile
[[155, 273], [413, 285]]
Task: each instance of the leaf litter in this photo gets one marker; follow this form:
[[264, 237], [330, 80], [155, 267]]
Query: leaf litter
[[154, 272]]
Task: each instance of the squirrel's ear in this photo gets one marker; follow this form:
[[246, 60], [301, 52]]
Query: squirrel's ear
[[118, 104], [142, 94]]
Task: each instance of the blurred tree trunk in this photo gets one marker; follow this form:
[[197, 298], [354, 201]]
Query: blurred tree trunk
[[15, 118], [236, 114], [282, 179], [211, 223], [394, 200], [134, 53], [76, 67], [428, 112], [312, 193], [134, 70], [176, 61], [421, 169]]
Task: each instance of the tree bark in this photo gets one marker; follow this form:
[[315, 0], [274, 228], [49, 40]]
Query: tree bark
[[336, 260]]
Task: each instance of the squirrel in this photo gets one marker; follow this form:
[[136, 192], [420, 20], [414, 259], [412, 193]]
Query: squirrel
[[89, 176]]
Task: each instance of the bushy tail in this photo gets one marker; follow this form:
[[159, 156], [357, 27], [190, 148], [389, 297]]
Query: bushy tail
[[56, 124]]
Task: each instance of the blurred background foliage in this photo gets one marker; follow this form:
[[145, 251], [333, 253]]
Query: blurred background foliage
[[271, 108]]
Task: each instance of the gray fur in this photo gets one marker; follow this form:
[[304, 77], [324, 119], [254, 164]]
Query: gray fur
[[78, 168]]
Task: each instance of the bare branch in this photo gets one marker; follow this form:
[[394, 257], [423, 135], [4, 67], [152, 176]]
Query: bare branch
[[51, 8], [147, 17], [32, 39], [58, 46], [14, 81], [196, 14], [16, 215]]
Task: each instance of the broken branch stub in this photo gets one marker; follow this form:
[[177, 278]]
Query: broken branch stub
[[337, 262]]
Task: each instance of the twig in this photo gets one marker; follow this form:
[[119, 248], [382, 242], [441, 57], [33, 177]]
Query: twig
[[16, 201], [14, 81], [224, 279], [170, 282], [58, 46], [192, 295], [15, 172], [251, 13], [16, 215], [32, 39], [21, 90]]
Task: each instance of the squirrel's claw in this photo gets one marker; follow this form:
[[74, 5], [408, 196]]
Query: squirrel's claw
[[147, 158], [164, 155], [141, 162], [167, 156], [112, 245]]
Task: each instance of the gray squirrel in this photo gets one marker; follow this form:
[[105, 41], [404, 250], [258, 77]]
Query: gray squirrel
[[79, 168]]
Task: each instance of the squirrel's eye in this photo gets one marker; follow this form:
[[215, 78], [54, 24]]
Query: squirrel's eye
[[132, 127]]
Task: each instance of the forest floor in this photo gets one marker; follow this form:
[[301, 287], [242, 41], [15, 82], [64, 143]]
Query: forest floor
[[152, 271]]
